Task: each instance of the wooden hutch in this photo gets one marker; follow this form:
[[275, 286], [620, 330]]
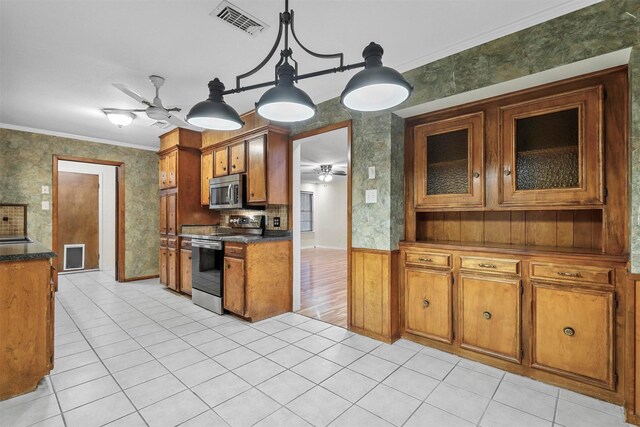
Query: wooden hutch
[[516, 232]]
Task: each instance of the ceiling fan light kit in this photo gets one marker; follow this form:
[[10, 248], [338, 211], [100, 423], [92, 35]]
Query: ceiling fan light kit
[[375, 88], [119, 118]]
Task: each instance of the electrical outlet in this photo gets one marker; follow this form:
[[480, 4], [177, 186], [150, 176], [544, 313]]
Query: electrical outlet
[[45, 189], [276, 221], [45, 206]]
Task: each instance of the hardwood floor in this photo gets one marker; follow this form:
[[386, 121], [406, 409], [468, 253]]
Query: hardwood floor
[[323, 285]]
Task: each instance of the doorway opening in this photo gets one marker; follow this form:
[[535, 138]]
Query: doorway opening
[[321, 186], [88, 221]]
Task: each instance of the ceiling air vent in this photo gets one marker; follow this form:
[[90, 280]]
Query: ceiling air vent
[[240, 19]]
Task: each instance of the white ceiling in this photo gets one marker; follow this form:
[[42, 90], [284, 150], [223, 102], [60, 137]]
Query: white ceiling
[[329, 148], [58, 58]]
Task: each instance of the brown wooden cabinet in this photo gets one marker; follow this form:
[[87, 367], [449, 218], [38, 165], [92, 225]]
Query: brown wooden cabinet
[[552, 150], [257, 172], [185, 271], [27, 304], [220, 162], [234, 285], [449, 161], [180, 199], [573, 332], [428, 303], [236, 158], [207, 174], [490, 315]]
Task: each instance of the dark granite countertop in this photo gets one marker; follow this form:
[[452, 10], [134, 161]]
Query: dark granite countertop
[[24, 251], [267, 237]]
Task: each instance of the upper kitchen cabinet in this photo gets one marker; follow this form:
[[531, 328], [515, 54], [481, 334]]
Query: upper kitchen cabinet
[[449, 162], [206, 173], [551, 150], [261, 153]]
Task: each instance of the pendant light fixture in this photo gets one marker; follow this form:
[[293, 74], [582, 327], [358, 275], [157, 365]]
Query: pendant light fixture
[[375, 88]]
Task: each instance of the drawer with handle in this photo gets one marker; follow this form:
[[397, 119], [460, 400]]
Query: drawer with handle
[[428, 259], [572, 273], [234, 250], [490, 265]]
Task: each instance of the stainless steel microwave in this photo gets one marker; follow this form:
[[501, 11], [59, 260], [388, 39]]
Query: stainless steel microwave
[[227, 192]]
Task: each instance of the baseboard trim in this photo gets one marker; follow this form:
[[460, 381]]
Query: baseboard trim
[[133, 279]]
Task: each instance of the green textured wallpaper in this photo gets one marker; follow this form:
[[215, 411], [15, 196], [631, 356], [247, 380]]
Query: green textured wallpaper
[[596, 30], [25, 165]]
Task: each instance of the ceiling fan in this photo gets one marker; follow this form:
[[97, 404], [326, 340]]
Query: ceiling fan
[[325, 172], [155, 110]]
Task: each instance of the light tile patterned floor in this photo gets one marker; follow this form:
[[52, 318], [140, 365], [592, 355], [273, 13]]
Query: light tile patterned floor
[[137, 354]]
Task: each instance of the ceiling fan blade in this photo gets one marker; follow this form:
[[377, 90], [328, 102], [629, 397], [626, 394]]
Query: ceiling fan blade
[[176, 109], [131, 93], [174, 120], [124, 110], [341, 173]]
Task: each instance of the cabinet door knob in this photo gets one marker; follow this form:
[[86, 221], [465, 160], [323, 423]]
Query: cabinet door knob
[[233, 166], [228, 265], [507, 172], [476, 175], [251, 194], [568, 331], [486, 315], [425, 303]]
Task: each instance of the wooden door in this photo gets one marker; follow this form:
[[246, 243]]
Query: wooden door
[[206, 173], [552, 150], [490, 315], [163, 265], [172, 267], [221, 162], [234, 295], [163, 176], [172, 169], [428, 304], [449, 163], [78, 216], [573, 332], [257, 170], [185, 271], [237, 154], [171, 213], [163, 214]]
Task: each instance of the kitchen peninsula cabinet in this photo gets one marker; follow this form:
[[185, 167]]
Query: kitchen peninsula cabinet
[[27, 305], [261, 152], [257, 278], [529, 259], [180, 199]]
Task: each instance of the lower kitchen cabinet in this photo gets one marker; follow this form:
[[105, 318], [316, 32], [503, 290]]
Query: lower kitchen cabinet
[[185, 271], [172, 269], [428, 304], [163, 265], [573, 332], [234, 285], [490, 315], [257, 279]]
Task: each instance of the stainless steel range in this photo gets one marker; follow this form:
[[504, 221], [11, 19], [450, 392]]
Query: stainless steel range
[[207, 259]]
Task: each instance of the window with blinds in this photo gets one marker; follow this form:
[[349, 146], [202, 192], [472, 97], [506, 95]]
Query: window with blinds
[[306, 211]]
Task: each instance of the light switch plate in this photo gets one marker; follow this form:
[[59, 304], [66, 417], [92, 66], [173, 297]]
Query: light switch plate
[[371, 196], [372, 172], [45, 189], [45, 206]]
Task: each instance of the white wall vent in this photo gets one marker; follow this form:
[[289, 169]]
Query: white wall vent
[[238, 18], [74, 257]]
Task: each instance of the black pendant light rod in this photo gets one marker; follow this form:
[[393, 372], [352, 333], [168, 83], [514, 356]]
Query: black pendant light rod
[[286, 20]]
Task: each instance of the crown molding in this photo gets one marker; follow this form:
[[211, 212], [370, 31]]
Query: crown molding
[[77, 137], [496, 33]]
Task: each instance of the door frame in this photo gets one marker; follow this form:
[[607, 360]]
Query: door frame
[[295, 145], [120, 244]]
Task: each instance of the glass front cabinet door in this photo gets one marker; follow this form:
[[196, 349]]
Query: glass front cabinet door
[[552, 151], [449, 166]]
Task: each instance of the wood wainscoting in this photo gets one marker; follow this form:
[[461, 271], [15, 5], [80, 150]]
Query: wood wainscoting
[[374, 293]]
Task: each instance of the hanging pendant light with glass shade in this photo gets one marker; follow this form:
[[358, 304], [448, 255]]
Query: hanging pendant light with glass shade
[[375, 88]]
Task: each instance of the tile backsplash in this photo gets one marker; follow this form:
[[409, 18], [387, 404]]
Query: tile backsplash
[[271, 211], [12, 220]]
